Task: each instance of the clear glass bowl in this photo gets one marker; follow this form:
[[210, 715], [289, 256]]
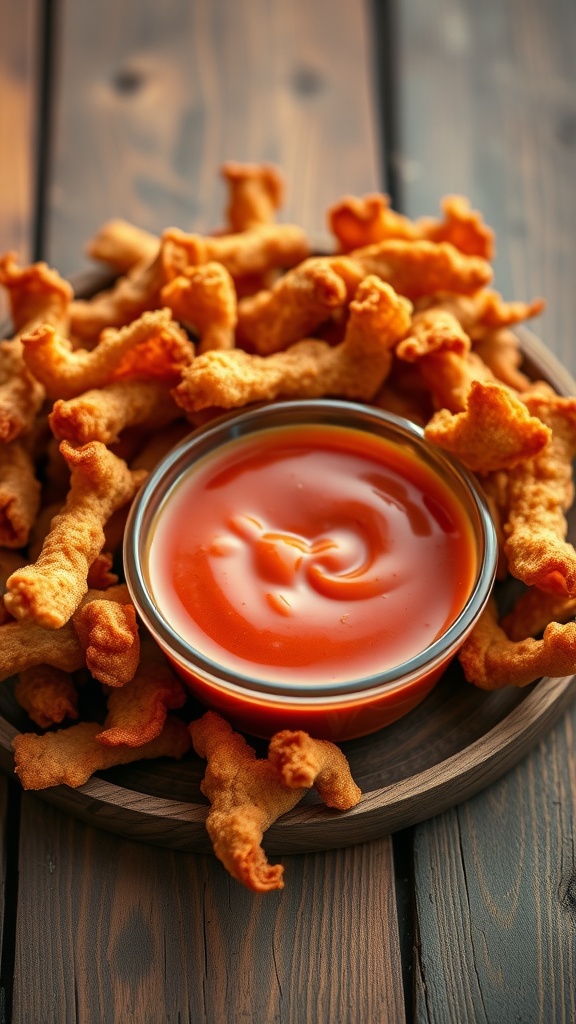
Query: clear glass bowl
[[345, 709]]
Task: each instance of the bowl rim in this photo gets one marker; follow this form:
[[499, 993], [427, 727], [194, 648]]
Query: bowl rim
[[338, 412]]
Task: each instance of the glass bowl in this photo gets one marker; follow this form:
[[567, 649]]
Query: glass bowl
[[262, 701]]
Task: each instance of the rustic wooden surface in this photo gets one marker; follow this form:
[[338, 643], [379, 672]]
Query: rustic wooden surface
[[470, 916]]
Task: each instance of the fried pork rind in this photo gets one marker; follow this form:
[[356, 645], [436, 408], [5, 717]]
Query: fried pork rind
[[256, 192], [359, 222], [108, 634], [539, 492], [70, 756], [415, 269], [49, 591], [123, 245], [355, 368], [534, 610], [303, 762], [19, 494], [495, 431], [256, 251], [204, 298], [491, 660], [137, 711], [47, 694], [152, 347], [247, 795], [101, 414], [301, 299]]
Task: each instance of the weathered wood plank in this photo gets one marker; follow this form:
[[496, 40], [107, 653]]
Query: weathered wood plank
[[152, 98], [488, 109], [18, 64], [122, 932]]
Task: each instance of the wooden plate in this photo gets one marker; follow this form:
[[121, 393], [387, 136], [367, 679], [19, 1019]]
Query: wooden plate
[[455, 743]]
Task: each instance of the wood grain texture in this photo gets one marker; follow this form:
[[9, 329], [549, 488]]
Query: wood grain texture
[[487, 108], [18, 66], [123, 932], [151, 99]]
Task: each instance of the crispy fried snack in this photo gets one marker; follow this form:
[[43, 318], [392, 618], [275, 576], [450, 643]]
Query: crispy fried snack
[[123, 245], [449, 376], [137, 711], [101, 414], [303, 762], [304, 297], [495, 431], [108, 634], [9, 562], [434, 330], [419, 268], [534, 610], [47, 695], [100, 575], [49, 591], [256, 192], [491, 660], [354, 369], [248, 794], [501, 352], [539, 493], [204, 298], [152, 347], [19, 495], [360, 222], [70, 756]]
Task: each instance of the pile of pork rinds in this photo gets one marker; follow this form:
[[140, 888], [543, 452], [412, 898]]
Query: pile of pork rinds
[[93, 392]]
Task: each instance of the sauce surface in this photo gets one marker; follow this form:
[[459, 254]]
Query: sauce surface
[[312, 552]]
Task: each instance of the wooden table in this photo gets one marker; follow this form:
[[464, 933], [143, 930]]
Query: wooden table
[[127, 108]]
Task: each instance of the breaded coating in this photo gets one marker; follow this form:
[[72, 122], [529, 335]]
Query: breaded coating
[[137, 711], [204, 298], [263, 248], [255, 193], [70, 756], [100, 575], [423, 268], [101, 414], [9, 562], [19, 494], [108, 634], [123, 245], [501, 351], [152, 347], [49, 591], [247, 795], [449, 377], [435, 330], [47, 694], [495, 431], [491, 660], [534, 610], [303, 762], [355, 368]]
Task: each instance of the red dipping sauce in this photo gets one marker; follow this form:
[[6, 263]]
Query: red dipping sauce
[[310, 565], [311, 553]]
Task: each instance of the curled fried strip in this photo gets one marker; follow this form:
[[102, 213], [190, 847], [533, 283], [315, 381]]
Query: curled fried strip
[[47, 694], [137, 711], [304, 762], [248, 794], [108, 633], [355, 368], [101, 414], [491, 660], [152, 346], [423, 268], [9, 562], [435, 330], [256, 192], [534, 610], [495, 431], [19, 495], [70, 756], [50, 590], [123, 245], [204, 298], [256, 251]]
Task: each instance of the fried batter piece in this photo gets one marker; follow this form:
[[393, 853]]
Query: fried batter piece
[[491, 660], [152, 347], [137, 711], [108, 634], [495, 431], [423, 268], [262, 248], [204, 298], [9, 562], [355, 368], [122, 245], [303, 762], [359, 222], [255, 193], [247, 795], [101, 414], [47, 694], [70, 756], [434, 330], [50, 590], [19, 494], [539, 493], [534, 610]]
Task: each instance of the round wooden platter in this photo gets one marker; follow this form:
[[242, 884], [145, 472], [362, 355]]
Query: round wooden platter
[[454, 744]]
